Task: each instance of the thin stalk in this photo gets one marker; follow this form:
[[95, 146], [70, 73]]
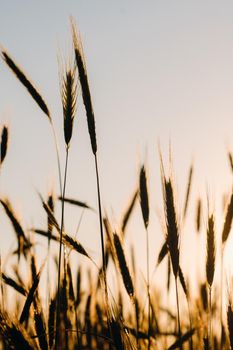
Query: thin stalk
[[221, 294], [148, 285], [101, 235], [210, 318], [58, 157], [178, 313], [60, 251]]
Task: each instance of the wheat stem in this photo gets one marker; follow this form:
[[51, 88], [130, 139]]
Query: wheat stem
[[148, 284], [210, 317], [178, 314], [101, 233], [60, 251]]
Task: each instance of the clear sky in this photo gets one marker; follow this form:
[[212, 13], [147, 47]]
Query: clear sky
[[158, 70]]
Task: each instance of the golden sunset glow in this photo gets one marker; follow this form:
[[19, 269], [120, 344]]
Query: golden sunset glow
[[116, 165]]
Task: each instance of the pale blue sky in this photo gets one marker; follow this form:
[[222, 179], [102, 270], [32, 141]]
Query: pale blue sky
[[157, 69]]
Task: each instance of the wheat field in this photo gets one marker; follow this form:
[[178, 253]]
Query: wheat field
[[79, 307]]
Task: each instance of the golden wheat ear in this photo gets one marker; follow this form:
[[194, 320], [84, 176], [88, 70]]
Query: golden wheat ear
[[75, 202], [123, 266], [188, 191], [20, 75], [30, 296], [129, 211], [144, 201], [210, 246], [4, 143], [83, 78], [230, 158], [69, 99], [198, 215], [228, 221], [172, 227]]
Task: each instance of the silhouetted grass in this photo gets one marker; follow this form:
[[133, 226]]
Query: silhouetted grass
[[76, 313]]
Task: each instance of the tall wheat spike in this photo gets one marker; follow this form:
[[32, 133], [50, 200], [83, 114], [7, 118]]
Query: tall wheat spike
[[144, 201], [69, 99], [4, 144], [26, 82], [83, 78], [79, 56], [123, 266], [21, 76], [230, 160], [171, 225], [188, 190], [210, 267], [129, 211], [198, 215], [172, 235], [144, 196], [23, 242], [228, 221], [210, 246]]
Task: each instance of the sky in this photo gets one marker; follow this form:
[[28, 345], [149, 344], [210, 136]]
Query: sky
[[159, 72]]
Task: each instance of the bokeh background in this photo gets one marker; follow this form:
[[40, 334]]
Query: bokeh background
[[160, 72]]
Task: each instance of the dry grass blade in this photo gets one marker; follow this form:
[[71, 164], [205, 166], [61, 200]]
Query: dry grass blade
[[171, 224], [10, 282], [188, 191], [198, 215], [69, 99], [26, 82], [123, 266], [163, 252], [129, 211], [210, 260], [75, 202], [30, 297], [84, 86], [230, 323], [4, 144], [182, 340], [228, 221], [144, 196]]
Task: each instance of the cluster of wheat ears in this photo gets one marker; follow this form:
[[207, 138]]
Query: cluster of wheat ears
[[82, 316]]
